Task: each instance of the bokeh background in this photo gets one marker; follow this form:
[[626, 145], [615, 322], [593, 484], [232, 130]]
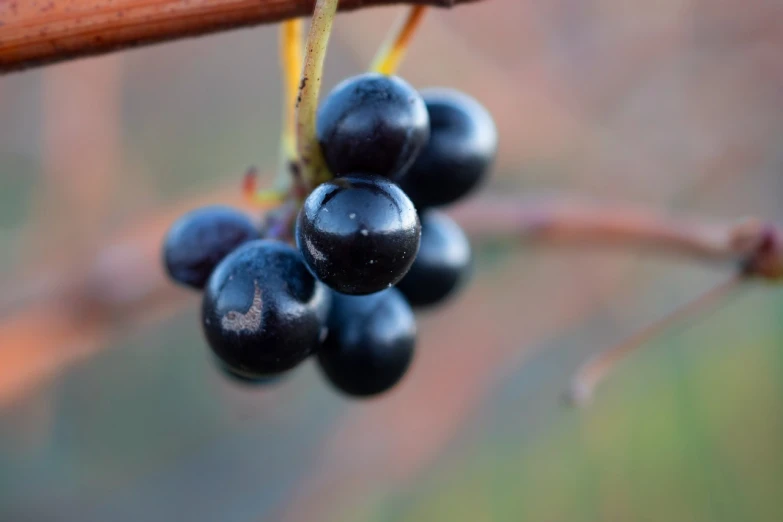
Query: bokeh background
[[110, 408]]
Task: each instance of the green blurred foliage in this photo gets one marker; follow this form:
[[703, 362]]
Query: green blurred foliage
[[690, 429]]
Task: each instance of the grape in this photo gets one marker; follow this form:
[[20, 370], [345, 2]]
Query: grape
[[461, 150], [200, 239], [359, 234], [263, 312], [372, 123], [442, 265], [370, 342]]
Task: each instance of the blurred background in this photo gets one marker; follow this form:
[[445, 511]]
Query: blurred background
[[111, 408]]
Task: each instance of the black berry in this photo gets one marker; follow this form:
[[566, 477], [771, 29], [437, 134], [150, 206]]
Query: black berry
[[372, 123], [461, 149], [200, 239], [442, 265], [263, 312], [359, 234], [370, 342]]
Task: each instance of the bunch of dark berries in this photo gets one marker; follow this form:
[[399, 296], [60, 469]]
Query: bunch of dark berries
[[370, 244]]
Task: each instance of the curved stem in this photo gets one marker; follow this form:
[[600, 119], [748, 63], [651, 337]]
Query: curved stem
[[589, 376], [291, 63], [313, 166], [393, 50]]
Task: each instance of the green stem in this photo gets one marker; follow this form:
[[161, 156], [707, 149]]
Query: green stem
[[314, 170]]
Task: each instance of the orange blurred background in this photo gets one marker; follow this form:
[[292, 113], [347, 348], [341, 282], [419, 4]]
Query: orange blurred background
[[110, 408]]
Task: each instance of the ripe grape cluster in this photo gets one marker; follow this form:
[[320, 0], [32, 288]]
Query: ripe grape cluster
[[366, 248]]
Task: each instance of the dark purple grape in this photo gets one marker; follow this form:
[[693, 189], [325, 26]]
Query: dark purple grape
[[442, 265], [461, 150], [200, 239], [359, 234], [372, 123], [263, 312], [370, 342]]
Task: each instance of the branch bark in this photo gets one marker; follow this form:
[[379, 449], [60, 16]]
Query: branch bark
[[38, 33]]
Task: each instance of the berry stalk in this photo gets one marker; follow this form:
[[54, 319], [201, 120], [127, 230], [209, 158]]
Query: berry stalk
[[313, 167], [393, 50], [290, 68], [291, 64]]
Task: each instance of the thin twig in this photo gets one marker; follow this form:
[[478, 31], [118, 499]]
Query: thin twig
[[569, 222], [291, 64], [589, 376], [393, 50]]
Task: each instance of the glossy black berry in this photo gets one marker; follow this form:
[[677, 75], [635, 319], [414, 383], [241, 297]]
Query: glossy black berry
[[442, 265], [460, 151], [370, 342], [359, 234], [263, 312], [200, 239], [372, 123]]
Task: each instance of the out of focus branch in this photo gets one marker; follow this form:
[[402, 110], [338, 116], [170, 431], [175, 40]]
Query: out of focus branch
[[754, 246], [596, 369], [36, 33], [67, 314], [572, 222]]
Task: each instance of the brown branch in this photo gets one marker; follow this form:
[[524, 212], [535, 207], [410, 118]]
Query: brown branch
[[72, 312], [37, 33], [755, 245]]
